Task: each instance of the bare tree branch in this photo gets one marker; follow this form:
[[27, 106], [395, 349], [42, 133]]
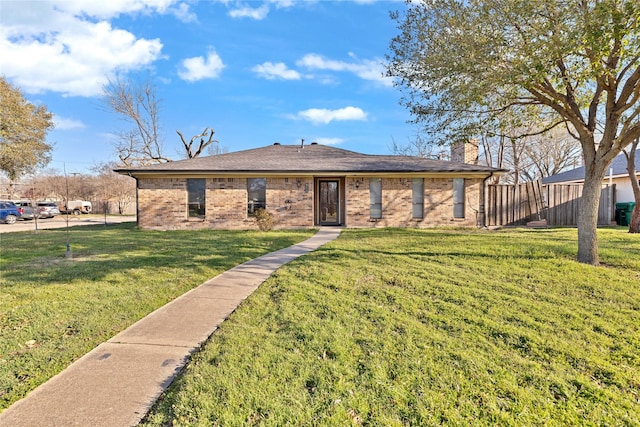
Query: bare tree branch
[[206, 139], [135, 102]]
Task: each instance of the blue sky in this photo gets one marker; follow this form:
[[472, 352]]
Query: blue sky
[[258, 72]]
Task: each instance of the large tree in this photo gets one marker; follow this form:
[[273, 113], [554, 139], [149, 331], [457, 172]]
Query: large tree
[[137, 104], [631, 153], [23, 132], [464, 62]]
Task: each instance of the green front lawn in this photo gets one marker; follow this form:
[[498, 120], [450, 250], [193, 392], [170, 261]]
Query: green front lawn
[[53, 309], [408, 327]]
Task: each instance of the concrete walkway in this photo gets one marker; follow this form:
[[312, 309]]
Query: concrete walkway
[[118, 382]]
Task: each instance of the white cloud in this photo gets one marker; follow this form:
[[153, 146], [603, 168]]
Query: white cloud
[[258, 13], [240, 9], [70, 46], [280, 4], [372, 70], [271, 71], [329, 141], [184, 13], [198, 68], [324, 116], [110, 9], [315, 61], [64, 123], [113, 8]]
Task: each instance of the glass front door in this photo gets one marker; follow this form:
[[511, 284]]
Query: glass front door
[[329, 202]]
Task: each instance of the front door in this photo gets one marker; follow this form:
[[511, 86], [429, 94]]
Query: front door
[[329, 202]]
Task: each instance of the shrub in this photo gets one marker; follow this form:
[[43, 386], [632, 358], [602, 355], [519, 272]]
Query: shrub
[[264, 219]]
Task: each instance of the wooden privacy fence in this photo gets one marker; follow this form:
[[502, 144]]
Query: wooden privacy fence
[[558, 204]]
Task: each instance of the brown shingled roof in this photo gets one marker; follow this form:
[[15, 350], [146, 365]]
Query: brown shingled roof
[[314, 158]]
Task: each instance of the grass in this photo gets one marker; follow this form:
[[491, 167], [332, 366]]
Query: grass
[[53, 309], [427, 327]]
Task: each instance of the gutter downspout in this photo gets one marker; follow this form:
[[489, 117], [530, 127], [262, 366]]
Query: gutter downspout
[[137, 204], [612, 212], [482, 220]]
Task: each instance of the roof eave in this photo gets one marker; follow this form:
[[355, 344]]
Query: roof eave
[[260, 173]]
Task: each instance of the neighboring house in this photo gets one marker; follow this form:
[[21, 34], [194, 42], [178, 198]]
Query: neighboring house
[[617, 174], [311, 185]]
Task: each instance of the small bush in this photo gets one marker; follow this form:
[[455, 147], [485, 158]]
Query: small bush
[[264, 219]]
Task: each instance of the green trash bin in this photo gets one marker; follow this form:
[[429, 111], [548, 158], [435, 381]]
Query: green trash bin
[[618, 216], [623, 212]]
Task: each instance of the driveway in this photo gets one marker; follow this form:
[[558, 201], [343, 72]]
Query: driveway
[[60, 221]]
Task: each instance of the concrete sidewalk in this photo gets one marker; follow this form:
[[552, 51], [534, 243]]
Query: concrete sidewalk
[[117, 383]]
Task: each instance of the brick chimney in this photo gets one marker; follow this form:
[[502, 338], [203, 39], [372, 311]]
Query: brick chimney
[[465, 153]]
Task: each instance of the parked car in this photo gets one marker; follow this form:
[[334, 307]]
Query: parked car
[[9, 212], [48, 209], [76, 207], [27, 211]]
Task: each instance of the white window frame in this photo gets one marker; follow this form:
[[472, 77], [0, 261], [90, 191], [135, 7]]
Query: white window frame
[[375, 198], [417, 198], [459, 198]]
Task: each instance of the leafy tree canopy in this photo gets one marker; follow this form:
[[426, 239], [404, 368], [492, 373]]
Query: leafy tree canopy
[[23, 132], [467, 61], [463, 64]]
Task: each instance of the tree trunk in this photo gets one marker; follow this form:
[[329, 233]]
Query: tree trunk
[[634, 225], [588, 215]]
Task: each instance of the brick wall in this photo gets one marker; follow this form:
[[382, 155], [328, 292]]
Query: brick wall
[[465, 152], [397, 203], [290, 200], [357, 201], [226, 207], [162, 203]]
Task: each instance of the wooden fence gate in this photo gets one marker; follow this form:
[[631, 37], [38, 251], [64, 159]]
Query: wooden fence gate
[[558, 204]]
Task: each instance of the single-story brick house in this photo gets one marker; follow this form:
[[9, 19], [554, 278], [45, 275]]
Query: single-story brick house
[[306, 186]]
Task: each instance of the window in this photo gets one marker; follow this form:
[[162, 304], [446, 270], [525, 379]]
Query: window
[[458, 197], [418, 198], [196, 189], [257, 194], [375, 198]]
